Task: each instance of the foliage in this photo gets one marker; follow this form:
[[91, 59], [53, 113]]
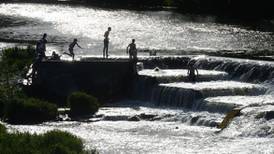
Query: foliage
[[29, 110], [53, 142], [82, 104], [2, 129], [2, 108], [14, 65]]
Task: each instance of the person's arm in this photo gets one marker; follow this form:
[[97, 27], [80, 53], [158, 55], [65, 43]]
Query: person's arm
[[127, 49], [79, 45], [197, 71]]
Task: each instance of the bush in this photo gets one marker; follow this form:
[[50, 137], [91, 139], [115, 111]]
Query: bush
[[2, 107], [29, 111], [82, 104], [61, 142], [53, 142], [18, 57], [2, 129]]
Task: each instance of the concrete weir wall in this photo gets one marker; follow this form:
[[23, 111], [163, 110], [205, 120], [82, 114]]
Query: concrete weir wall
[[100, 77]]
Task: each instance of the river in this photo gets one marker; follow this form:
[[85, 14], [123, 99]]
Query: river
[[159, 30], [177, 117]]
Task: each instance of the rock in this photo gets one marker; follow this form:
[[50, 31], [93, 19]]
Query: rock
[[194, 120], [134, 118], [269, 115], [147, 116], [116, 118]]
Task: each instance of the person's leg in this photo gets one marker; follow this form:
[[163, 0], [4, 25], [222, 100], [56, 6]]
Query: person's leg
[[71, 53], [72, 56], [135, 55], [107, 51], [104, 49]]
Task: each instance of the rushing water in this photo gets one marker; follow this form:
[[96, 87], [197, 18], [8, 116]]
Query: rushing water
[[161, 30], [172, 131]]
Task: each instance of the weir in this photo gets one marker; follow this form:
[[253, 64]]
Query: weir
[[102, 78], [219, 79]]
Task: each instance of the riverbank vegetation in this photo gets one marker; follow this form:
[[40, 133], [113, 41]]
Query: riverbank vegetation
[[52, 142], [29, 111], [230, 8], [15, 106]]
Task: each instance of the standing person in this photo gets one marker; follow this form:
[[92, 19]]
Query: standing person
[[71, 47], [40, 54], [41, 48], [106, 42], [132, 50], [191, 71]]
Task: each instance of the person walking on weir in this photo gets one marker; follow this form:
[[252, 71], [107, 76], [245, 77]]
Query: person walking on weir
[[71, 47], [132, 50], [106, 42]]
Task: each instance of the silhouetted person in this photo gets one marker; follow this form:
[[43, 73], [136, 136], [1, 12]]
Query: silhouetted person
[[55, 56], [41, 48], [132, 50], [71, 47], [40, 54], [106, 42], [191, 72]]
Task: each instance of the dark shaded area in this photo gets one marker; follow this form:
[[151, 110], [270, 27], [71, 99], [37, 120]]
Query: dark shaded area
[[231, 8]]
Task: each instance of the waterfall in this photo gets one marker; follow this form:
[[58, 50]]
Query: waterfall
[[218, 77], [243, 70]]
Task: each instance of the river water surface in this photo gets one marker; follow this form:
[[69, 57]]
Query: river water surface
[[161, 30]]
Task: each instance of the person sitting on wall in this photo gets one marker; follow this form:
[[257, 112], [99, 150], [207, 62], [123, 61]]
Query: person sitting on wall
[[55, 56], [191, 71], [132, 50], [71, 47]]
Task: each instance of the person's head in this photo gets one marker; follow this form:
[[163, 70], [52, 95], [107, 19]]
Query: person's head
[[133, 40], [45, 35], [53, 53], [191, 63], [75, 40], [109, 28]]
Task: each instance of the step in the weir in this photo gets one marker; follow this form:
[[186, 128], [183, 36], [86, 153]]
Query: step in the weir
[[176, 75], [183, 94], [220, 88], [225, 104], [158, 114]]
